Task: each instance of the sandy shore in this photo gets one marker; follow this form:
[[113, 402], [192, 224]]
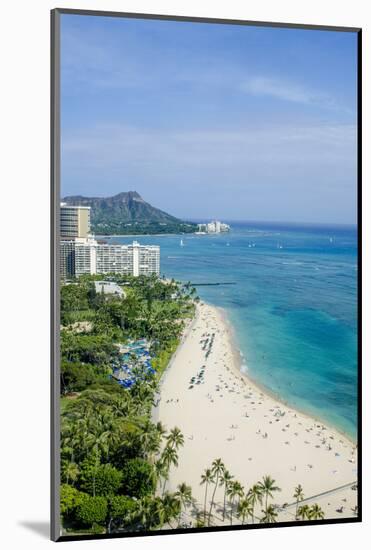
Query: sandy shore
[[226, 416]]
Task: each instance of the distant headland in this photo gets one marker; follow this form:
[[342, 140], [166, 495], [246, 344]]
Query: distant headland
[[127, 213]]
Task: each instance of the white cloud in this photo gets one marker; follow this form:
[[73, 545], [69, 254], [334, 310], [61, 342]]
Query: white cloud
[[289, 91], [207, 151], [276, 172], [279, 89]]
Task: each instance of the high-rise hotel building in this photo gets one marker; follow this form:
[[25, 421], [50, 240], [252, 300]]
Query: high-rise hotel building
[[81, 254], [75, 221]]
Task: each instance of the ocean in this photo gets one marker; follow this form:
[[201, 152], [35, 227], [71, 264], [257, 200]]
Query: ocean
[[293, 306]]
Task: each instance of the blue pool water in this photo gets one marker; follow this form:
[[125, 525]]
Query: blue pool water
[[293, 307]]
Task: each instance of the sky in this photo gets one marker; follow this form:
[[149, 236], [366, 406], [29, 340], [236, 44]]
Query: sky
[[211, 121]]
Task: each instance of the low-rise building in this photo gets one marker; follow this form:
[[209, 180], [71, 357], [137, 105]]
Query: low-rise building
[[213, 227], [109, 288]]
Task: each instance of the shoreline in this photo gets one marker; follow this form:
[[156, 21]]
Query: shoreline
[[261, 387], [225, 414]]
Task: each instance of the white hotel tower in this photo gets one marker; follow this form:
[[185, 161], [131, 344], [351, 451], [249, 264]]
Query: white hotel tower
[[81, 254]]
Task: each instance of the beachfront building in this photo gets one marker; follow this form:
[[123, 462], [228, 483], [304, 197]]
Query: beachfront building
[[213, 227], [146, 259], [112, 258], [133, 259], [81, 254], [74, 221], [67, 259], [77, 257], [87, 256]]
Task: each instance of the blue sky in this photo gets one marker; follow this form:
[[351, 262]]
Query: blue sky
[[205, 120]]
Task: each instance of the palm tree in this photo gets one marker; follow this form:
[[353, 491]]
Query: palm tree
[[71, 472], [225, 480], [158, 511], [206, 478], [94, 460], [244, 509], [303, 512], [268, 487], [175, 438], [144, 511], [150, 439], [160, 471], [111, 436], [235, 489], [169, 458], [240, 492], [217, 469], [270, 515], [184, 494], [316, 512], [199, 520], [160, 429], [171, 507], [255, 496], [299, 495], [74, 435]]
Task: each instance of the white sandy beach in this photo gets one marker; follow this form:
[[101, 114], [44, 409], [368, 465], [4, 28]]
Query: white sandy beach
[[226, 416]]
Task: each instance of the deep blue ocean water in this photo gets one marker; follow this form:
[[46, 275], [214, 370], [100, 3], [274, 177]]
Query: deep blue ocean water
[[293, 307]]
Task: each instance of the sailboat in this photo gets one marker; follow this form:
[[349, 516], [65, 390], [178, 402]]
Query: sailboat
[[181, 242]]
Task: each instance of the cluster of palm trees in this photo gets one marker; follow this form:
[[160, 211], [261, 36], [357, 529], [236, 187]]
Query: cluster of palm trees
[[306, 512], [169, 456], [243, 504], [235, 498], [153, 512], [150, 309], [169, 505]]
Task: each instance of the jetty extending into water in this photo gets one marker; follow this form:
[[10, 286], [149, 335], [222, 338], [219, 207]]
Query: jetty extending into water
[[214, 284]]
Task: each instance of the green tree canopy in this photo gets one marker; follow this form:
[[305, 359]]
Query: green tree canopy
[[70, 499], [104, 479], [138, 478], [92, 510]]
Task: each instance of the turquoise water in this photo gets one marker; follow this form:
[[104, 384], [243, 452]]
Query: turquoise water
[[293, 307]]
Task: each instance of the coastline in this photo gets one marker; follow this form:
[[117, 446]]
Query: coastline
[[228, 415], [261, 387]]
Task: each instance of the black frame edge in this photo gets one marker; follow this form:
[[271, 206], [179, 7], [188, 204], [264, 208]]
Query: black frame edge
[[225, 528], [359, 273]]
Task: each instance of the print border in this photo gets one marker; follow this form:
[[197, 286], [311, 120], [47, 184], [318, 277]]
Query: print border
[[55, 278]]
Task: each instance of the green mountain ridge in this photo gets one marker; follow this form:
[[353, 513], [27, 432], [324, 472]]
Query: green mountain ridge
[[128, 213]]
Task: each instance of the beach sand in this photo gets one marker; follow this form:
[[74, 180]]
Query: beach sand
[[227, 416]]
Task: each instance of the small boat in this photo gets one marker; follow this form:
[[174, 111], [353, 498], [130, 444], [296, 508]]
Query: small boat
[[181, 242]]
